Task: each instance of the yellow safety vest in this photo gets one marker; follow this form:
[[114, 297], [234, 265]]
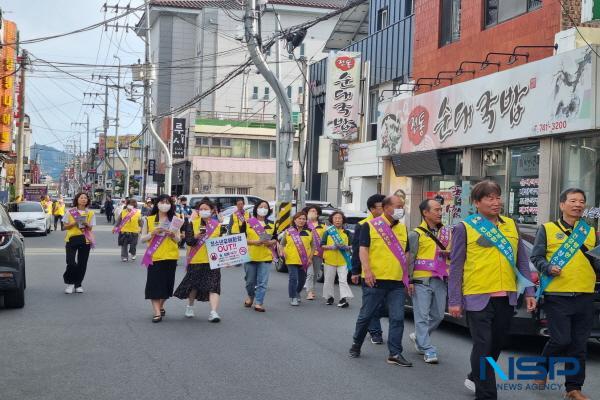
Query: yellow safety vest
[[133, 225], [383, 263], [335, 257], [486, 270], [47, 206], [236, 221], [259, 253], [201, 256], [74, 230], [578, 274], [320, 229], [168, 249], [426, 251], [59, 210], [292, 256]]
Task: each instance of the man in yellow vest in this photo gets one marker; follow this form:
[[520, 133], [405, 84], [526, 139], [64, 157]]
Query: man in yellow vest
[[429, 244], [375, 207], [489, 268], [239, 216], [383, 256], [567, 283], [58, 210]]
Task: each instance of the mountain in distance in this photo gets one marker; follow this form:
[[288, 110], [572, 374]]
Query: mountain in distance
[[52, 161]]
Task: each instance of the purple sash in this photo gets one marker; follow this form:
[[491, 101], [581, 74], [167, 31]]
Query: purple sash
[[386, 233], [211, 225], [260, 230], [89, 236], [295, 235], [154, 245], [124, 221], [316, 239], [438, 266], [240, 216]]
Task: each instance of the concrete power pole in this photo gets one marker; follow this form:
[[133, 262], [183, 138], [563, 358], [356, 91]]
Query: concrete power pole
[[125, 163], [285, 150], [20, 145], [148, 76], [303, 133]]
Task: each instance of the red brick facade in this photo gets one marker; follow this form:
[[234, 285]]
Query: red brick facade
[[537, 27]]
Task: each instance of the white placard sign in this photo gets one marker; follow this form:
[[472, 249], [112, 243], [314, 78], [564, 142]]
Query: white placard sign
[[227, 251]]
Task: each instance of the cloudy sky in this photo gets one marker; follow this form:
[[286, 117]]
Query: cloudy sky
[[54, 99]]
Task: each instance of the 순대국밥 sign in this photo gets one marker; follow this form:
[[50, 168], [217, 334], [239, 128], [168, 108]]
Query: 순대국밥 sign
[[227, 251]]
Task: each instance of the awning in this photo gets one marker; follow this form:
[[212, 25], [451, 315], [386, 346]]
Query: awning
[[423, 163]]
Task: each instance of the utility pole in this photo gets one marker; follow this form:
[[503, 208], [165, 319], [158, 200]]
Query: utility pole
[[126, 164], [286, 129], [20, 145], [104, 133], [148, 76], [303, 134]]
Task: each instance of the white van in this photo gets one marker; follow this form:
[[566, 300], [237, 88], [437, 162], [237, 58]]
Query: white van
[[223, 201]]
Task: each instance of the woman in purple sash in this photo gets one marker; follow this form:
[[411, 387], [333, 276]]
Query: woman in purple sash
[[297, 246], [78, 222], [162, 254], [200, 282]]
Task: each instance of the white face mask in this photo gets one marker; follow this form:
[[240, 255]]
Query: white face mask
[[164, 207], [205, 213], [130, 207], [262, 211], [398, 214]]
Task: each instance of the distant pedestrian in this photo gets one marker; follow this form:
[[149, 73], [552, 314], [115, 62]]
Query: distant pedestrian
[[109, 209], [262, 242], [238, 217], [162, 254], [58, 211], [200, 281], [336, 259], [127, 227], [78, 222], [147, 207], [297, 247], [313, 213]]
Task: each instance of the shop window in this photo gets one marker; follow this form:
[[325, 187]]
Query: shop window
[[497, 11], [581, 169], [450, 21], [523, 184]]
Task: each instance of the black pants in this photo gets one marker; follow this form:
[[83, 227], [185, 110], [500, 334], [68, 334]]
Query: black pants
[[489, 332], [57, 219], [109, 216], [570, 322], [76, 249]]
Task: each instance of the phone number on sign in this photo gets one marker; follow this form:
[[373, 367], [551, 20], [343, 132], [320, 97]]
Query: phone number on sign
[[550, 126]]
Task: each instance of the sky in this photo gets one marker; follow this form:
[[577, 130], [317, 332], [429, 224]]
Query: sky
[[55, 100]]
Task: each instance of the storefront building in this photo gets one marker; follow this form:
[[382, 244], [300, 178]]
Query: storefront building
[[533, 129]]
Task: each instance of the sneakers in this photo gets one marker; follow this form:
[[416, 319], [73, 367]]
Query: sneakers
[[354, 350], [189, 311], [329, 301], [343, 303], [133, 258], [70, 289], [431, 358], [399, 361], [376, 338], [214, 317], [124, 259], [413, 338], [79, 290], [294, 302], [469, 384]]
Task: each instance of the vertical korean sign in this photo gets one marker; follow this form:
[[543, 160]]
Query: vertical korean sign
[[7, 87], [101, 147], [342, 102], [178, 137]]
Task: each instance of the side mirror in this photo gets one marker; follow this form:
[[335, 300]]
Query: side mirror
[[19, 225]]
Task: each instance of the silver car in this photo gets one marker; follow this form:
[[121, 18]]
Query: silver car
[[32, 216]]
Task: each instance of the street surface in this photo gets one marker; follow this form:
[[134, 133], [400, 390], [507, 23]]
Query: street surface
[[102, 344]]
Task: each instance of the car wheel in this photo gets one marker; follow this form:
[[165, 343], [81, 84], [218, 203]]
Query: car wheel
[[45, 233], [15, 298], [280, 266]]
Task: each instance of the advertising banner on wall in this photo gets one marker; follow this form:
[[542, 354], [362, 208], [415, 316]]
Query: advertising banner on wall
[[342, 99], [549, 96], [8, 60]]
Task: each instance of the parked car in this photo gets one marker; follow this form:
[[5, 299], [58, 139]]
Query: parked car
[[12, 261], [32, 217]]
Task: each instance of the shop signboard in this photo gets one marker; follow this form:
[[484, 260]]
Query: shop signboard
[[342, 98], [8, 69], [178, 146], [550, 96]]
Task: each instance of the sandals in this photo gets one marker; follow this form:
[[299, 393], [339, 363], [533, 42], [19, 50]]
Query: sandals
[[163, 312], [156, 318], [248, 302], [259, 308]]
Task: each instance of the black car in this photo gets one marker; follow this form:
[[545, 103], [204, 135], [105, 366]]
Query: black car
[[12, 262]]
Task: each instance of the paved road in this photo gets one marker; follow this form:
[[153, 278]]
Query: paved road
[[102, 345]]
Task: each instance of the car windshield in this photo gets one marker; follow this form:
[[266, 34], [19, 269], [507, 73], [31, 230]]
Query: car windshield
[[25, 207]]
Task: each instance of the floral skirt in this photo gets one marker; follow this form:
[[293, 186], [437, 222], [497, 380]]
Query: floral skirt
[[201, 278]]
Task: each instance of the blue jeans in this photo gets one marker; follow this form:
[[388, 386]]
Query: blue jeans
[[392, 292], [429, 304], [257, 278], [297, 280], [375, 324]]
